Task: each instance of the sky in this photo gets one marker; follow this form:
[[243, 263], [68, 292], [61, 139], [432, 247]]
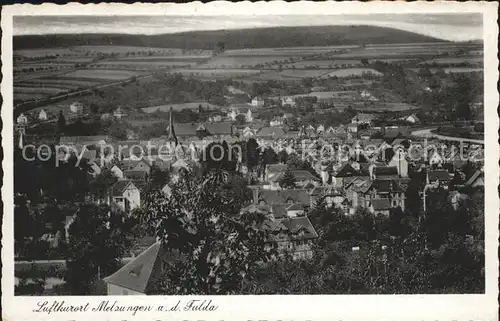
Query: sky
[[454, 27]]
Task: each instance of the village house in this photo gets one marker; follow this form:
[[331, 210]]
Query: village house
[[141, 165], [363, 118], [119, 113], [302, 179], [288, 101], [76, 107], [413, 119], [117, 172], [125, 196], [22, 119], [257, 102], [362, 192], [42, 115]]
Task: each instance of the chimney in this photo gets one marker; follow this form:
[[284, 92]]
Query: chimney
[[371, 171]]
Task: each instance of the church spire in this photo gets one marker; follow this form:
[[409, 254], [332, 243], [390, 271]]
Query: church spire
[[171, 131]]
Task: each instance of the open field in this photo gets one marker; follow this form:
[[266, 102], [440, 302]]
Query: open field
[[142, 64], [454, 60], [451, 70], [303, 73], [244, 61], [58, 81], [34, 53], [41, 90], [166, 108], [28, 96], [287, 51], [218, 73], [110, 74], [166, 58], [327, 64], [352, 72]]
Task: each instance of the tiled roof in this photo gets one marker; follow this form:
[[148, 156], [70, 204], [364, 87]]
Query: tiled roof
[[347, 171], [385, 171], [283, 196], [300, 175], [142, 273], [441, 175], [275, 168], [474, 177], [119, 187], [135, 174], [381, 204], [271, 132], [278, 210], [220, 128], [296, 225]]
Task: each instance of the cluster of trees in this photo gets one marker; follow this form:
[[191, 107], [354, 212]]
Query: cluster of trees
[[450, 97], [405, 253]]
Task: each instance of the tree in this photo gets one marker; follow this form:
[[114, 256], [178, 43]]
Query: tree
[[158, 177], [240, 119], [219, 248], [61, 123], [102, 183], [98, 240], [288, 179]]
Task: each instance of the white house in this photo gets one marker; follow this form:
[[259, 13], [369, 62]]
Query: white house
[[257, 102], [288, 101], [119, 113], [411, 119], [76, 107], [249, 116], [125, 196], [22, 120], [400, 162], [42, 115], [232, 114], [117, 171]]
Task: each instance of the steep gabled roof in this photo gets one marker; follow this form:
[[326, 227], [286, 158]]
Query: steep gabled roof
[[474, 177], [120, 187], [441, 175], [143, 272], [296, 225], [347, 171]]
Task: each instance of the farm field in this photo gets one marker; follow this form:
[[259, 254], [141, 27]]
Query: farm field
[[62, 82], [243, 61], [451, 69], [326, 63], [352, 72], [304, 73], [218, 73], [39, 90], [34, 53], [166, 108], [287, 51], [142, 64], [28, 96], [453, 60], [165, 58], [109, 74]]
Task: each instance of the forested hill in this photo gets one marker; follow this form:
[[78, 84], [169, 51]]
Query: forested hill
[[234, 39]]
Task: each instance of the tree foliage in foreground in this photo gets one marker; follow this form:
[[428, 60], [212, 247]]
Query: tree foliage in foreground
[[217, 248]]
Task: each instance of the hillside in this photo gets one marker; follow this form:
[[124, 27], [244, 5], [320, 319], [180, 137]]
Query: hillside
[[233, 39]]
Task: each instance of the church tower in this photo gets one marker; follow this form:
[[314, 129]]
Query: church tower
[[171, 131]]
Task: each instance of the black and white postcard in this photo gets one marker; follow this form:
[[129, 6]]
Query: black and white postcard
[[250, 161]]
